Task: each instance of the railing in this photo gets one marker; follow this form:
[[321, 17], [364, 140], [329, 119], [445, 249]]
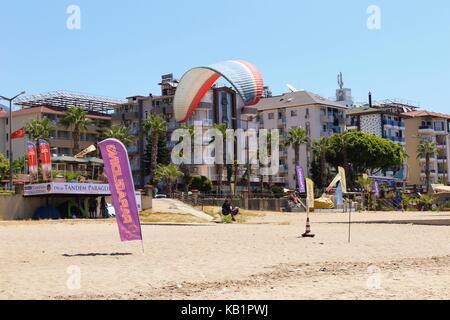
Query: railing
[[396, 139], [394, 123], [426, 127]]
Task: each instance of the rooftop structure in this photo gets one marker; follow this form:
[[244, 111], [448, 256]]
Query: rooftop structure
[[65, 99]]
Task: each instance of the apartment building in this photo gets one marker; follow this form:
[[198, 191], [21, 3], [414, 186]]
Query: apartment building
[[220, 105], [432, 126], [320, 117], [53, 106], [385, 119]]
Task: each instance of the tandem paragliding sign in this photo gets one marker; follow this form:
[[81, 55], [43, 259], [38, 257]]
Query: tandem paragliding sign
[[195, 83]]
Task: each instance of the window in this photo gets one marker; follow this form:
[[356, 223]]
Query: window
[[271, 116], [293, 113], [280, 115], [307, 113]]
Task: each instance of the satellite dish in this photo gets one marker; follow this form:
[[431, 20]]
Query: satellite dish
[[292, 88]]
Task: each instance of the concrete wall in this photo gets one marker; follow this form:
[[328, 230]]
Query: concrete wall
[[22, 208], [17, 207], [146, 202], [250, 204]]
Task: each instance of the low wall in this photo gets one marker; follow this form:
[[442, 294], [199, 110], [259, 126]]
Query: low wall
[[17, 207], [256, 204], [147, 202]]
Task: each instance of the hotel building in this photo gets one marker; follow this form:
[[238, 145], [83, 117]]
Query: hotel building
[[53, 106], [320, 117], [432, 126], [220, 105]]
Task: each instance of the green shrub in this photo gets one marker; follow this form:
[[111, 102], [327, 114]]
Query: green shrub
[[201, 183], [278, 192], [72, 176], [227, 219]]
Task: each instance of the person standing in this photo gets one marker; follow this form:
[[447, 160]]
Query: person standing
[[103, 208], [93, 208]]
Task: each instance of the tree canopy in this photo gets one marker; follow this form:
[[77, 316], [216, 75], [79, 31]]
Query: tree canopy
[[365, 152], [362, 152]]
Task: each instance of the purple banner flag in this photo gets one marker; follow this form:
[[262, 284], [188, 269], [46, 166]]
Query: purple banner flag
[[118, 171], [300, 179]]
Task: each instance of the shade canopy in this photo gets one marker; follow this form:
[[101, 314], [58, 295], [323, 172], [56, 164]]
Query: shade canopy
[[242, 75], [67, 159]]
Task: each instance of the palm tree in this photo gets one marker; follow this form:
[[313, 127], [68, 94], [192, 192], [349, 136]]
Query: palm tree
[[169, 174], [295, 138], [76, 117], [321, 147], [184, 167], [426, 150], [222, 128], [344, 144], [39, 129], [366, 183], [268, 153], [154, 126], [120, 133]]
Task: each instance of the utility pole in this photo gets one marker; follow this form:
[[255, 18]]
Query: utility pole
[[10, 100]]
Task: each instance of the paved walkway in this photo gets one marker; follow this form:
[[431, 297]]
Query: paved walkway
[[178, 207]]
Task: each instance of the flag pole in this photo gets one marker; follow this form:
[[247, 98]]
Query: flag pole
[[350, 222]]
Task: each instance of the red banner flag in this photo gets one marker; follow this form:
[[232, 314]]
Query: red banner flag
[[18, 134], [46, 160], [32, 160]]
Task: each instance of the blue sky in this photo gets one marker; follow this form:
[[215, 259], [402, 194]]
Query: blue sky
[[123, 47]]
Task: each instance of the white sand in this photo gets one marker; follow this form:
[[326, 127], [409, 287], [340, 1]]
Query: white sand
[[263, 259]]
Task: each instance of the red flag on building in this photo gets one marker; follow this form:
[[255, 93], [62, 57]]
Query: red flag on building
[[18, 134]]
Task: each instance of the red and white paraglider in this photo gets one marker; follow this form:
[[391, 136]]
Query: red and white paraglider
[[242, 75]]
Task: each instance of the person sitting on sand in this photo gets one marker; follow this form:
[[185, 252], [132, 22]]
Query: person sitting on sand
[[227, 209]]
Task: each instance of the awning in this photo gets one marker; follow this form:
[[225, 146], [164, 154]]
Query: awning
[[67, 159]]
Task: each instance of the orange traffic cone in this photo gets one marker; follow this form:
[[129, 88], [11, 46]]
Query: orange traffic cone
[[308, 233]]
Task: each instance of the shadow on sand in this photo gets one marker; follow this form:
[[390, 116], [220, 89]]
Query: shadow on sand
[[97, 255], [176, 224]]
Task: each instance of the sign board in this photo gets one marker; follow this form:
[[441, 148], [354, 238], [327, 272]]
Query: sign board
[[87, 189], [63, 188], [139, 200]]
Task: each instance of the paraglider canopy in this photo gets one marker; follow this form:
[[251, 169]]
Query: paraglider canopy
[[243, 76]]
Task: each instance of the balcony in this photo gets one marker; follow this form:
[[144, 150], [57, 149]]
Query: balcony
[[443, 174], [433, 173], [434, 159], [400, 140], [394, 124], [442, 159], [429, 129], [440, 130]]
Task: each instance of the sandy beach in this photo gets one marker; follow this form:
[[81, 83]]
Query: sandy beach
[[392, 256]]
